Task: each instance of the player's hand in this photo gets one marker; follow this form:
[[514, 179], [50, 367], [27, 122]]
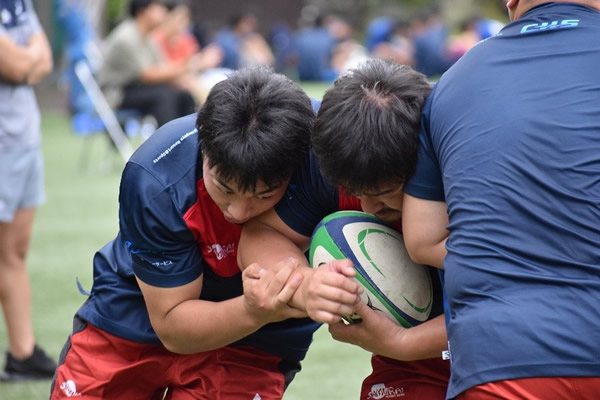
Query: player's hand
[[331, 292], [268, 291], [375, 333]]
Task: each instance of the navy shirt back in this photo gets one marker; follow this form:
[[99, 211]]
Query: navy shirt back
[[511, 141]]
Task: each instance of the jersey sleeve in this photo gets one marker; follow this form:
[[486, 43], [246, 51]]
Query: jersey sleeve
[[162, 248], [27, 19], [308, 200], [426, 183]]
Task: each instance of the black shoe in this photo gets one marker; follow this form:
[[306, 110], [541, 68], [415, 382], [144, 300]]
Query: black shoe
[[37, 366]]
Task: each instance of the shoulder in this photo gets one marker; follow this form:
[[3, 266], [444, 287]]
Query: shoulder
[[171, 153], [125, 32]]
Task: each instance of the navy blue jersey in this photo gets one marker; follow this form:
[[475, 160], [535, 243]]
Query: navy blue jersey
[[171, 232], [511, 141]]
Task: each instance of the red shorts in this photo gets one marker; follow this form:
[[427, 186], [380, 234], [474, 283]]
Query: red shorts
[[555, 388], [98, 365], [393, 379]]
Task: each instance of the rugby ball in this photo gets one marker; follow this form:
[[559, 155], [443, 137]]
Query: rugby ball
[[392, 282]]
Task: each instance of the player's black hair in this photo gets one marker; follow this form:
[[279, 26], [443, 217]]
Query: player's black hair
[[137, 6], [255, 125], [366, 132]]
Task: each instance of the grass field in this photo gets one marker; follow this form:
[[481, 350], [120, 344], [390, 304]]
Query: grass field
[[79, 217]]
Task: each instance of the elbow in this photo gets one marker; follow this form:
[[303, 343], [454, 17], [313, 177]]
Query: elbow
[[48, 66], [417, 256], [173, 345], [414, 249], [42, 71], [427, 253], [173, 348]]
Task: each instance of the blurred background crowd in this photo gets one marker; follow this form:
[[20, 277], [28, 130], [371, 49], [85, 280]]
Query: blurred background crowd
[[307, 40]]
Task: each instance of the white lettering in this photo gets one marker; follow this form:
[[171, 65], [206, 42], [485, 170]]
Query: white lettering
[[171, 147], [381, 391]]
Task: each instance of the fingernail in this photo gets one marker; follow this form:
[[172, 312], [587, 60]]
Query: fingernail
[[261, 271]]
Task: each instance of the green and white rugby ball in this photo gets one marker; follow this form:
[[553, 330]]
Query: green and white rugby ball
[[392, 282]]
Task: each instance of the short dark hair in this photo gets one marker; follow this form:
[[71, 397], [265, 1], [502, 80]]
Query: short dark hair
[[366, 132], [137, 6], [255, 125]]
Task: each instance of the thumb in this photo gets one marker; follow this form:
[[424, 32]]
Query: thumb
[[365, 312]]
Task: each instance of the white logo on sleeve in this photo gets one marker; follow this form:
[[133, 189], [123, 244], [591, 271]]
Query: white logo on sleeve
[[221, 251], [69, 388]]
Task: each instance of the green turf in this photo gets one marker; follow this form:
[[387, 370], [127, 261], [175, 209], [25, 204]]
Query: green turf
[[79, 217]]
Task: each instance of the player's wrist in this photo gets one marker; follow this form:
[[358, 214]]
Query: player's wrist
[[256, 316]]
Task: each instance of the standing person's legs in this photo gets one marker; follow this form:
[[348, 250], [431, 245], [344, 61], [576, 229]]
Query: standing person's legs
[[164, 102], [21, 191], [14, 282]]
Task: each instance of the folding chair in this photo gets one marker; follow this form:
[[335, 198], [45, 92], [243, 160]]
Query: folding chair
[[103, 109], [91, 115]]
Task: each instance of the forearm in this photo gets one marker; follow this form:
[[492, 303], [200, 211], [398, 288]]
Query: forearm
[[424, 341], [198, 325], [17, 62], [424, 225], [163, 73], [44, 64], [267, 247]]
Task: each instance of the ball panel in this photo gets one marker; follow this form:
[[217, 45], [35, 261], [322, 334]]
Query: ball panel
[[400, 289], [323, 247], [349, 214], [382, 257]]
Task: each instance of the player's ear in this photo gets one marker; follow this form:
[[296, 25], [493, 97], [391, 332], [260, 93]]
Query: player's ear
[[511, 6]]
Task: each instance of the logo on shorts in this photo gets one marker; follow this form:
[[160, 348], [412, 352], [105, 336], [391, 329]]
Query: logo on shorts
[[380, 391], [69, 388]]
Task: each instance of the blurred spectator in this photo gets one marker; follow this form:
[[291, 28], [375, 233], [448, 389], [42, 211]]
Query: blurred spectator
[[179, 46], [173, 35], [430, 36], [473, 30], [135, 74], [26, 60], [81, 44], [348, 52], [467, 37], [488, 27], [389, 39], [281, 41], [314, 46], [242, 45]]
